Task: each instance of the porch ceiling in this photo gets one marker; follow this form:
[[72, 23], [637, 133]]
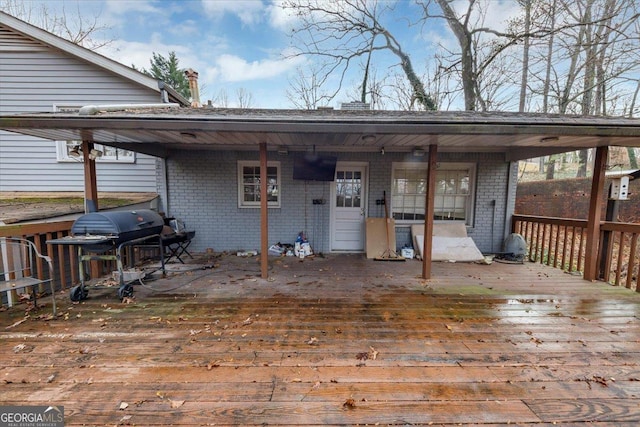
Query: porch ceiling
[[158, 131]]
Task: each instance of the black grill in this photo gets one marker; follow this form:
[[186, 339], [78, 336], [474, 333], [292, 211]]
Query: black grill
[[115, 227], [98, 232]]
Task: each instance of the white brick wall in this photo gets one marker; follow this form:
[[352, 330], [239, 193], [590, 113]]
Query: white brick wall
[[202, 189]]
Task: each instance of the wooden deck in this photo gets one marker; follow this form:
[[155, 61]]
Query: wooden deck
[[335, 341]]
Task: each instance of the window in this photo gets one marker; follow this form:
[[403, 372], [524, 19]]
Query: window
[[348, 189], [249, 184], [453, 198], [67, 151]]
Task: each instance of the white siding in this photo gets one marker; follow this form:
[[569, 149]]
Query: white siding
[[34, 78]]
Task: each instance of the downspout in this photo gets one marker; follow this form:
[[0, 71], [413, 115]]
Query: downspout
[[164, 189], [510, 198]]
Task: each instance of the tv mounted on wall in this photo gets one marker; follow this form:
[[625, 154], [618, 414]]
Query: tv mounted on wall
[[314, 167]]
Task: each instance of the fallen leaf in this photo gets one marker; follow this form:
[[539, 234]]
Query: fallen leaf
[[373, 354], [123, 406], [312, 341], [176, 403], [125, 419], [349, 403], [18, 348], [160, 394]]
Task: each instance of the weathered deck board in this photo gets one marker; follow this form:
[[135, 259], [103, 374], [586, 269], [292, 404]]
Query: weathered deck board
[[488, 345]]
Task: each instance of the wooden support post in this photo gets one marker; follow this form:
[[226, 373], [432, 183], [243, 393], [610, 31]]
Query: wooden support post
[[90, 192], [595, 212], [90, 181], [264, 209], [429, 208]]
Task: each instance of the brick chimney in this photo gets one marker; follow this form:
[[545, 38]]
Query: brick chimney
[[355, 106], [192, 75]]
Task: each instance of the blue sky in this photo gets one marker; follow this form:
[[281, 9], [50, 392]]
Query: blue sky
[[238, 43]]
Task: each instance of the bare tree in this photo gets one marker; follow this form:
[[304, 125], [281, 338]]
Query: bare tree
[[244, 97], [589, 54], [77, 27], [345, 33], [374, 89], [305, 90], [480, 47], [221, 99], [525, 54]]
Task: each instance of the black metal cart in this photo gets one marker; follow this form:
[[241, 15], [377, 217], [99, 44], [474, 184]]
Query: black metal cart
[[97, 233]]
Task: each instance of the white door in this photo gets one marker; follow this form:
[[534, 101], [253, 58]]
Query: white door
[[348, 198]]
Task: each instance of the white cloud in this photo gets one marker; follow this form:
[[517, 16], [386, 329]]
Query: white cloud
[[119, 7], [280, 18], [248, 11], [496, 12], [188, 27], [499, 12], [140, 54], [232, 68]]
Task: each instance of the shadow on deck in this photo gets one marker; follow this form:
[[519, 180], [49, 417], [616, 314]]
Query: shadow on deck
[[340, 340]]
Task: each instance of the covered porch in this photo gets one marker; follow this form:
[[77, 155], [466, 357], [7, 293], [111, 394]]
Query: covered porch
[[339, 340], [167, 131]]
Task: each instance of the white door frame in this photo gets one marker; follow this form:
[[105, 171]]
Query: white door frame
[[364, 200]]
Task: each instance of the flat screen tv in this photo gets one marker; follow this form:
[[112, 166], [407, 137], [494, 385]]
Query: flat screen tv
[[314, 167]]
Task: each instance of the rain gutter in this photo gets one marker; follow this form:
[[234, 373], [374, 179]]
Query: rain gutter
[[90, 110]]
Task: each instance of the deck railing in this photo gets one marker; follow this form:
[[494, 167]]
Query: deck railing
[[561, 243], [556, 242], [65, 257]]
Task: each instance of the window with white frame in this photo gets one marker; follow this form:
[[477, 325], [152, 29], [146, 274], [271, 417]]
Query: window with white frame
[[70, 151], [454, 192], [249, 188]]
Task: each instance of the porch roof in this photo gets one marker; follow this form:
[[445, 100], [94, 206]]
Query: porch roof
[[159, 129]]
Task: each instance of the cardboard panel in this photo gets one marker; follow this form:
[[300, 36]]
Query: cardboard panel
[[450, 242], [458, 249], [376, 242], [444, 229]]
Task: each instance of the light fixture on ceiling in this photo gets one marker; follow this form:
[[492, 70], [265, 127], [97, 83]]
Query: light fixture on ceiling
[[369, 139], [549, 139], [382, 151], [94, 154], [75, 151], [418, 152], [283, 150]]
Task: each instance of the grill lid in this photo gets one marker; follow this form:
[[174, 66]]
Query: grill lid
[[136, 224]]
